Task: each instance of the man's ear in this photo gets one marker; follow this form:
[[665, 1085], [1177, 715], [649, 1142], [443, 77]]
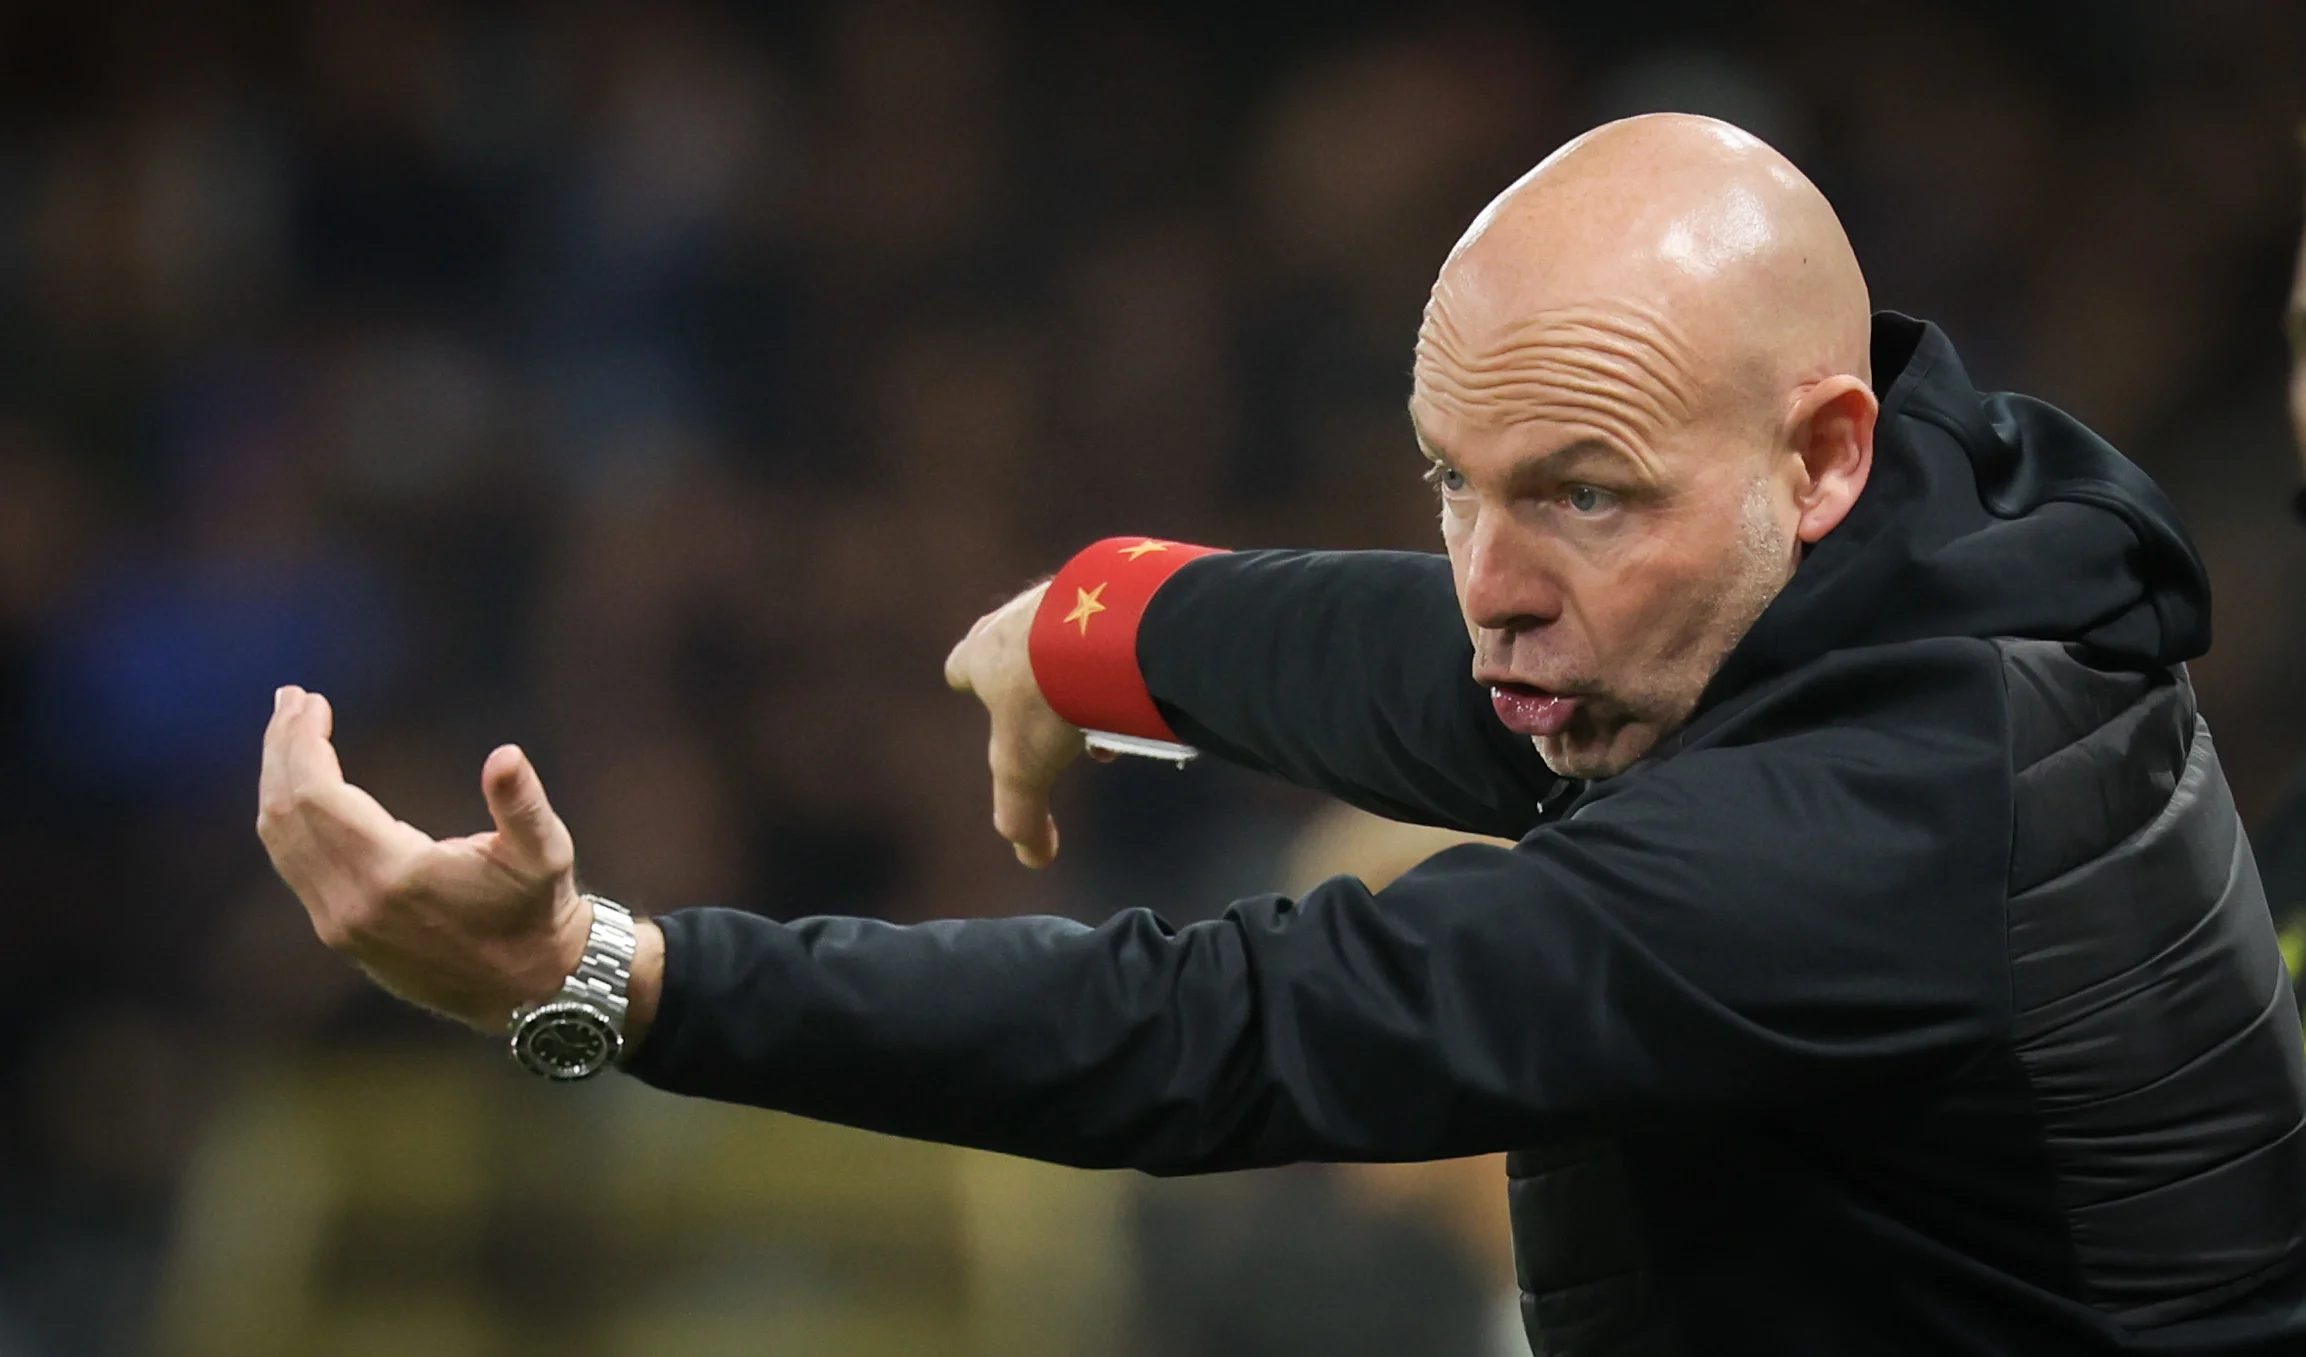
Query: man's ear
[[1831, 432]]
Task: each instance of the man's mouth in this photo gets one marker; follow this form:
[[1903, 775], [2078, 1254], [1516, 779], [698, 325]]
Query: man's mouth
[[1531, 711]]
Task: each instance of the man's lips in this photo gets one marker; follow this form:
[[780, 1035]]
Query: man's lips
[[1531, 711]]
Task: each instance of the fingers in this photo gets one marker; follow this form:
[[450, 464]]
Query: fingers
[[330, 841], [303, 783], [1021, 813], [516, 801], [272, 782], [307, 756], [297, 756], [994, 661]]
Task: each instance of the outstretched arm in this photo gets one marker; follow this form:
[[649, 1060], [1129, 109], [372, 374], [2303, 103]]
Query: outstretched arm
[[1671, 951]]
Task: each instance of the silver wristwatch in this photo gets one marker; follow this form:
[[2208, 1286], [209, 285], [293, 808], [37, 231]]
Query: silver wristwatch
[[578, 1032]]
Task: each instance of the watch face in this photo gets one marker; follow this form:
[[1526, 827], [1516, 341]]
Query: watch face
[[565, 1041]]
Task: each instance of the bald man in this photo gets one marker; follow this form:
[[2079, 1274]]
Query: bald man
[[1877, 967]]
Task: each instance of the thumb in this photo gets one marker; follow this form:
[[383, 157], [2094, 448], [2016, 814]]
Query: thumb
[[516, 801]]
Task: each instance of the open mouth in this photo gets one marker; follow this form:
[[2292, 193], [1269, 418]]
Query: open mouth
[[1532, 711]]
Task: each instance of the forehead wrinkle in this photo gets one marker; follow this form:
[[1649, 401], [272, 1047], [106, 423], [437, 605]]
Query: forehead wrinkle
[[1540, 403], [1580, 363]]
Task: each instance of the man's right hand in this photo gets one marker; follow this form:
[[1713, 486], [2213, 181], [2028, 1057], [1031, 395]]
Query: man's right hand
[[471, 927], [1031, 743]]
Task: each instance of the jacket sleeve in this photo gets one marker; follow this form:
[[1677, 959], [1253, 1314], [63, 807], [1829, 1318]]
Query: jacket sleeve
[[1741, 932], [1345, 672]]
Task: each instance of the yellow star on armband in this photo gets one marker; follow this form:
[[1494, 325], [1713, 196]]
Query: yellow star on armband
[[1143, 548], [1086, 606]]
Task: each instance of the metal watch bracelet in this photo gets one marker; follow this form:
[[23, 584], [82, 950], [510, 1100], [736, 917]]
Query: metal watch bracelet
[[579, 1031]]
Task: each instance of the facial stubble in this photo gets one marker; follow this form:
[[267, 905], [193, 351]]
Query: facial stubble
[[1757, 571]]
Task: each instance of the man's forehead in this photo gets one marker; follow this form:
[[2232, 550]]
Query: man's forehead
[[1616, 367], [1489, 332]]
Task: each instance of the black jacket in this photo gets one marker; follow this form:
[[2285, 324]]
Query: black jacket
[[1917, 997]]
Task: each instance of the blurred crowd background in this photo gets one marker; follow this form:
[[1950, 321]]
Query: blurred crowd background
[[666, 385]]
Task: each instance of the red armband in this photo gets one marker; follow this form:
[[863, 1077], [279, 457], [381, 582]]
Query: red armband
[[1084, 639]]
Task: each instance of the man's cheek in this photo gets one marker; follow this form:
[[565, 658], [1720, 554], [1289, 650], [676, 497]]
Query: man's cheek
[[1457, 582]]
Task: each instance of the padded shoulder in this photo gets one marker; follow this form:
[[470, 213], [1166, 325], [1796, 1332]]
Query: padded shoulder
[[2096, 754], [2151, 1009]]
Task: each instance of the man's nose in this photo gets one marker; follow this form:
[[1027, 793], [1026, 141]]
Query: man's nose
[[1507, 584]]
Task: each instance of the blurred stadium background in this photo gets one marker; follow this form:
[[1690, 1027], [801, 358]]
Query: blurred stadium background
[[665, 385]]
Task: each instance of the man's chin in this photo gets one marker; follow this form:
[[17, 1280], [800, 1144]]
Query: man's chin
[[1590, 755]]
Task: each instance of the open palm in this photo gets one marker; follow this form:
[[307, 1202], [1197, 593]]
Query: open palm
[[471, 927]]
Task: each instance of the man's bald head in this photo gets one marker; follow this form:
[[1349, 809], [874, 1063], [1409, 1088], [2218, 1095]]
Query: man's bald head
[[1694, 239], [1643, 377]]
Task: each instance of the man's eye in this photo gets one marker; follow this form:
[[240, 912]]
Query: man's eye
[[1448, 478], [1587, 499]]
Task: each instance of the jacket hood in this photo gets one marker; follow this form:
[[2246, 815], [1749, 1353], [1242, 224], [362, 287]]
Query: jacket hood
[[1986, 515]]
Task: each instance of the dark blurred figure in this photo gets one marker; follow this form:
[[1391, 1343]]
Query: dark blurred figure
[[2281, 839]]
